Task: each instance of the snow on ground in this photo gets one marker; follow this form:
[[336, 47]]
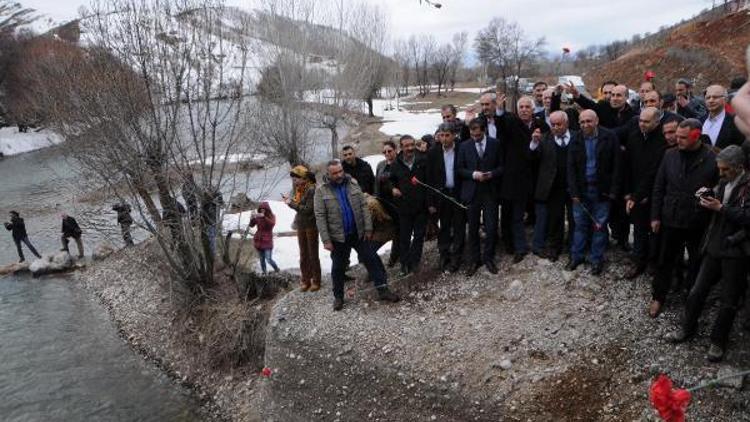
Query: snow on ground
[[402, 122], [473, 90], [13, 142], [233, 159]]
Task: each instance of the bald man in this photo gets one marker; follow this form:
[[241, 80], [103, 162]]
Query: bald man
[[613, 113], [643, 153], [594, 169], [719, 125]]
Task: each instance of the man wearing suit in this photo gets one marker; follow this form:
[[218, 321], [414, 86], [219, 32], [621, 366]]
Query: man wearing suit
[[551, 193], [719, 125], [593, 181], [480, 166], [442, 174], [449, 114], [518, 175]]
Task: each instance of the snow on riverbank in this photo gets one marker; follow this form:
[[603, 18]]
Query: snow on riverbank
[[13, 142]]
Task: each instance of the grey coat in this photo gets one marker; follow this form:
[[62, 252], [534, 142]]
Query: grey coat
[[328, 211]]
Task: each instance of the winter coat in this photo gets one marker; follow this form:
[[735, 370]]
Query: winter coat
[[673, 198], [211, 202], [413, 198], [17, 228], [643, 154], [362, 173], [123, 213], [608, 165], [551, 167], [514, 136], [726, 236], [305, 217], [608, 116], [263, 238], [328, 216], [70, 227]]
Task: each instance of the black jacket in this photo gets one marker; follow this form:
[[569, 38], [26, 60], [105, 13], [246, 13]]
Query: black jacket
[[515, 137], [643, 154], [123, 213], [413, 198], [436, 173], [673, 200], [362, 173], [731, 222], [469, 162], [729, 134], [608, 165], [546, 154], [608, 116], [70, 227], [17, 228]]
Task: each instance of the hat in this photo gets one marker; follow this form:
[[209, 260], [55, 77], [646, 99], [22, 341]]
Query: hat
[[299, 171], [732, 155]]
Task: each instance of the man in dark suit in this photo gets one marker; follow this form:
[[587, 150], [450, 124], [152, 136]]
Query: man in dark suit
[[480, 166], [516, 132], [551, 193], [594, 164], [442, 174], [449, 114], [719, 125], [643, 153]]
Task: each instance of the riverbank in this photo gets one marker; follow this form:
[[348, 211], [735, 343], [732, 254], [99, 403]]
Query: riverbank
[[13, 142]]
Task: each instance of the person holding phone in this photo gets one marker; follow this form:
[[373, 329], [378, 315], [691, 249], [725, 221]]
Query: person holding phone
[[265, 220]]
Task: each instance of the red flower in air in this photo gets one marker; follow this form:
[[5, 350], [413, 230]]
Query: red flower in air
[[649, 75], [566, 50], [266, 372], [671, 404], [694, 134], [414, 180]]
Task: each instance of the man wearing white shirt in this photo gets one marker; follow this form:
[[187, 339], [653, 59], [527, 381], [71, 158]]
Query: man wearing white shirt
[[719, 125], [489, 107], [551, 198]]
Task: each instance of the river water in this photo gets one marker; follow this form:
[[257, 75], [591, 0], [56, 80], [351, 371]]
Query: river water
[[60, 356]]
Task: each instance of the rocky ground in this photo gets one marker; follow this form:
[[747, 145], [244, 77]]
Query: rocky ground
[[532, 343]]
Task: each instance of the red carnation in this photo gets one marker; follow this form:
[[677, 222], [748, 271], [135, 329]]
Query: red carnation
[[649, 75], [694, 134], [266, 372], [414, 180], [566, 50], [671, 404]]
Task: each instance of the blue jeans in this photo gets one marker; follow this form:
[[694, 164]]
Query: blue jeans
[[267, 255], [584, 227], [367, 256]]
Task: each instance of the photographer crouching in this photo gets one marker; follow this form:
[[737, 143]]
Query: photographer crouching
[[726, 248]]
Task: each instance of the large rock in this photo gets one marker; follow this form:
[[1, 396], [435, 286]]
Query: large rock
[[102, 251], [49, 264]]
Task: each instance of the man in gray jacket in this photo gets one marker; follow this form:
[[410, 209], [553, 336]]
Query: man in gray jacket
[[344, 223]]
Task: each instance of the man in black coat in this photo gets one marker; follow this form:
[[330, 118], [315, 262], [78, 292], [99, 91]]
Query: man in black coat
[[358, 168], [551, 193], [675, 214], [594, 172], [125, 220], [688, 105], [480, 166], [718, 124], [449, 114], [643, 153], [726, 249], [18, 230], [70, 229], [442, 174], [411, 202]]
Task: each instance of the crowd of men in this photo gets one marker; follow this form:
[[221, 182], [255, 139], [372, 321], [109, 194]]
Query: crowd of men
[[670, 168]]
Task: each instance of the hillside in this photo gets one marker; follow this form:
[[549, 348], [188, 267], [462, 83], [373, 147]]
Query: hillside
[[708, 49]]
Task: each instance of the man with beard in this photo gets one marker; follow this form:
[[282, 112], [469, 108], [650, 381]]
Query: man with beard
[[688, 105], [385, 195], [358, 168], [449, 114], [643, 153], [539, 88]]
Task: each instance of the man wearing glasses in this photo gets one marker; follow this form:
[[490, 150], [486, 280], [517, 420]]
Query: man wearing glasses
[[719, 125], [385, 195]]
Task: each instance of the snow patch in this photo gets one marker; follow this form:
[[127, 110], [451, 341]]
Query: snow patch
[[13, 142]]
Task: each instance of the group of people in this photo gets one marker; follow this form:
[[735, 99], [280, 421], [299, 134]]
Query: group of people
[[584, 173], [17, 227]]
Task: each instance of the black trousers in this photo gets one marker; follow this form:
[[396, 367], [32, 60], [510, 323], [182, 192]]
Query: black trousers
[[559, 209], [411, 237], [452, 234], [483, 207], [619, 224], [673, 243], [643, 239], [731, 274], [506, 224]]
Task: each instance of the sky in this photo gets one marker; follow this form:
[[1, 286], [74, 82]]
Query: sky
[[571, 23]]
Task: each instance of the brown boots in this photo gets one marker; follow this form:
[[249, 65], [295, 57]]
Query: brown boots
[[309, 287]]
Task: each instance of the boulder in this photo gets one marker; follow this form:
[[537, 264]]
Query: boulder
[[48, 264], [102, 251]]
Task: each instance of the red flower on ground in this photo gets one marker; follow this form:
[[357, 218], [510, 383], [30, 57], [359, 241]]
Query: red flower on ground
[[266, 372], [694, 134], [414, 180], [649, 75], [670, 403]]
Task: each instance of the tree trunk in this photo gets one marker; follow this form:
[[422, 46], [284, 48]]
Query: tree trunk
[[334, 140], [369, 107]]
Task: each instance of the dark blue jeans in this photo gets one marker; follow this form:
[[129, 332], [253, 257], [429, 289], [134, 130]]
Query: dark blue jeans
[[584, 227], [367, 256], [266, 255], [25, 240]]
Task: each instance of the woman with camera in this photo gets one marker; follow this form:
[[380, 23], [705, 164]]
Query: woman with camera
[[263, 238]]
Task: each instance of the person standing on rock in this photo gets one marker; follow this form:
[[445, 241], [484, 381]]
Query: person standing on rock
[[726, 248], [263, 238], [70, 229], [344, 223], [18, 230], [125, 220], [302, 200], [384, 194]]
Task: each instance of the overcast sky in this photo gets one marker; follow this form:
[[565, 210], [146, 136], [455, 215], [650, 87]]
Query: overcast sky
[[572, 23]]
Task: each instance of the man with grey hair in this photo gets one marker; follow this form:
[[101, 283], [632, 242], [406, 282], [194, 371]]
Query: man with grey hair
[[643, 153], [718, 124], [551, 193], [726, 249]]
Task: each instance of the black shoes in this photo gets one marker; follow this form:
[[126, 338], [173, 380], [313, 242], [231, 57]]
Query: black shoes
[[444, 263], [405, 271], [518, 257], [572, 265], [635, 271], [392, 262], [678, 336], [385, 295], [338, 304], [473, 269], [491, 267], [597, 269]]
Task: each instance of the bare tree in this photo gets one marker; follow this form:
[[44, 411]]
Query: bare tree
[[458, 47], [421, 50], [441, 66]]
